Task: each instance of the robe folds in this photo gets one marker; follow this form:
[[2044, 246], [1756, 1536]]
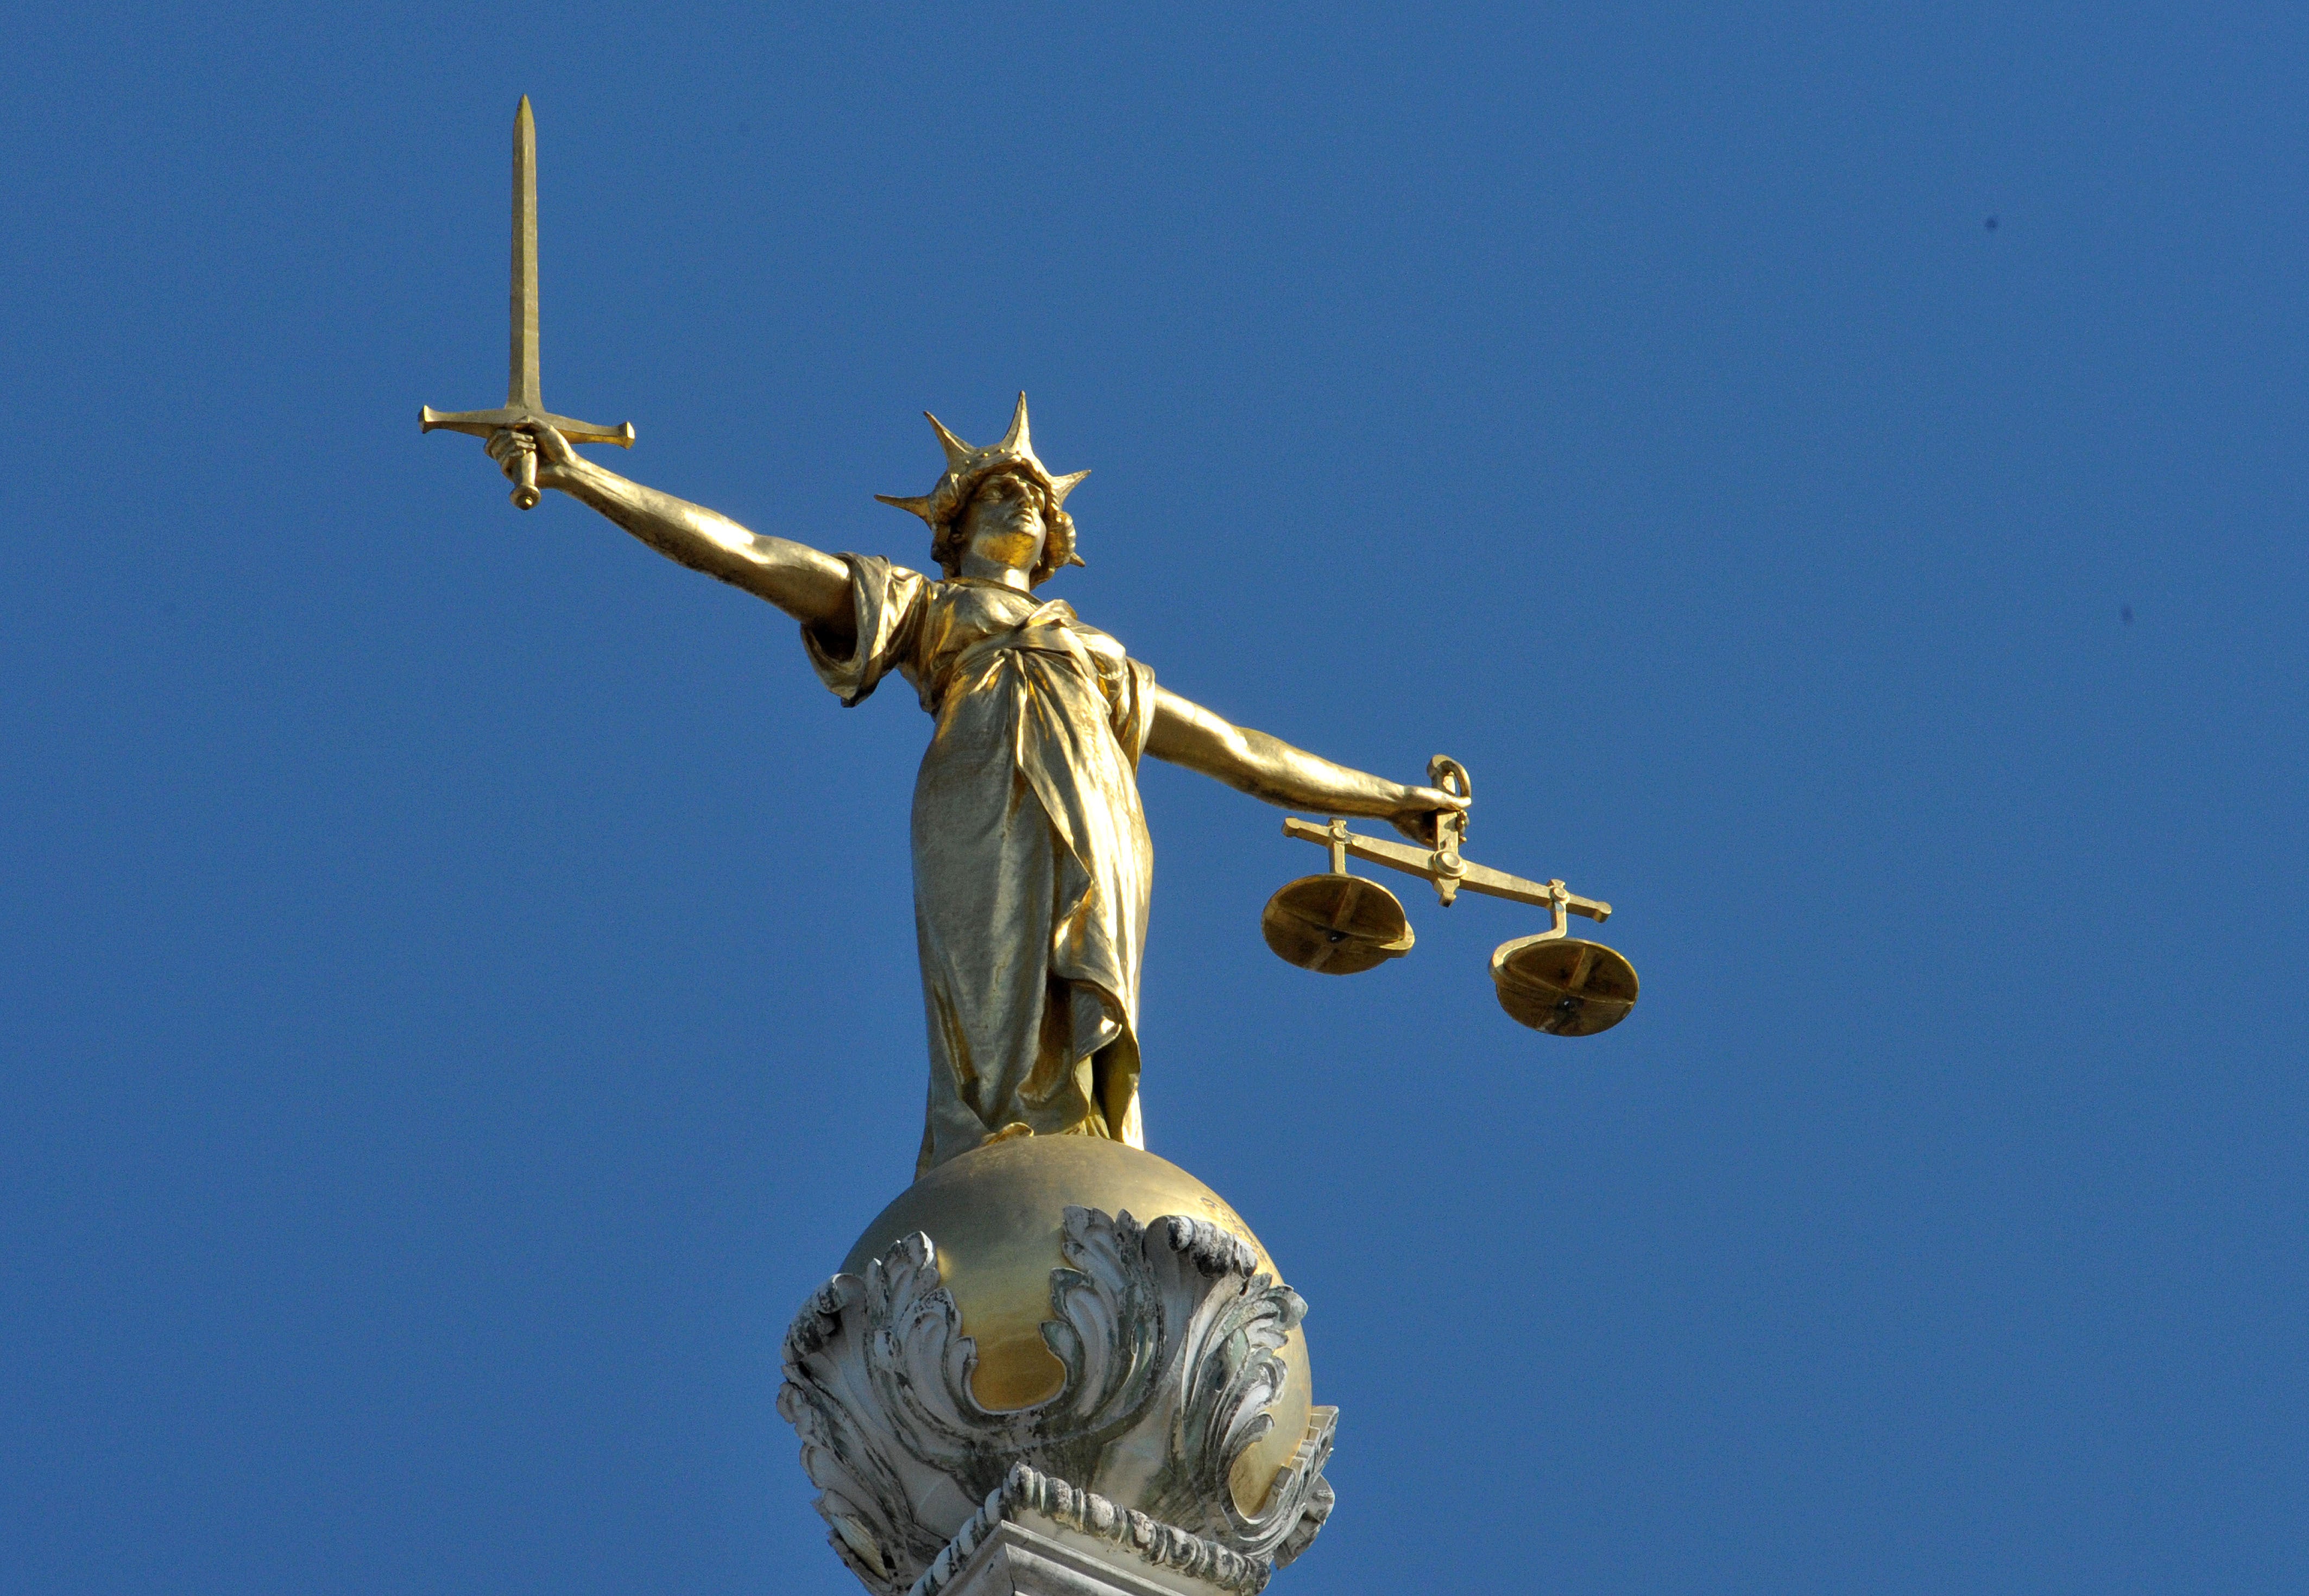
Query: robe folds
[[1032, 862]]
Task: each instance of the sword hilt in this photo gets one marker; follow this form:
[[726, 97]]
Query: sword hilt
[[524, 480], [483, 424]]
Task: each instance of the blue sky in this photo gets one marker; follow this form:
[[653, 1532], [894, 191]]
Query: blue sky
[[1835, 476]]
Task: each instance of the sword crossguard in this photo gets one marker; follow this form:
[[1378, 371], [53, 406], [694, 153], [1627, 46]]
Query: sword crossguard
[[481, 423], [484, 424]]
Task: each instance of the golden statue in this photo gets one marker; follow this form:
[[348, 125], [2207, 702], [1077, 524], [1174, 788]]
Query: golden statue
[[1032, 863], [1008, 1354]]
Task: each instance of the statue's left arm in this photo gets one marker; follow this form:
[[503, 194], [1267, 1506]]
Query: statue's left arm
[[1269, 768]]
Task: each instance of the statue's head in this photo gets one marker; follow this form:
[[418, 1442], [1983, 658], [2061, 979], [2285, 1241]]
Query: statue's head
[[1001, 501]]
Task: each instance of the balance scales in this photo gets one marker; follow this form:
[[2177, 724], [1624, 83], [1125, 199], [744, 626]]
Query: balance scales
[[1339, 924]]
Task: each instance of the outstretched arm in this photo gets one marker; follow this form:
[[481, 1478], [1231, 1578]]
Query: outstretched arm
[[813, 588], [1267, 767]]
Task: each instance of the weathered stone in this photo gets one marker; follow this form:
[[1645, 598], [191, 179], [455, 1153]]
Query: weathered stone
[[1168, 1334]]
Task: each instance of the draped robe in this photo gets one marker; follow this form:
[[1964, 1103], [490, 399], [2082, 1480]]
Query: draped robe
[[1032, 862]]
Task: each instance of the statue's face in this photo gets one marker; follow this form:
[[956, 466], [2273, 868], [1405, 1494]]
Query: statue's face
[[1003, 525]]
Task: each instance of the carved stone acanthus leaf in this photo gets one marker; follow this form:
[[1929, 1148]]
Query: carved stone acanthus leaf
[[1170, 1340]]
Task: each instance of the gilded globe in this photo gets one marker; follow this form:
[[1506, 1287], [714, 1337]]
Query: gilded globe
[[995, 1216]]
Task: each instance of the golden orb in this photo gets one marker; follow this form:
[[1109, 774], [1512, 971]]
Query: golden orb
[[994, 1214]]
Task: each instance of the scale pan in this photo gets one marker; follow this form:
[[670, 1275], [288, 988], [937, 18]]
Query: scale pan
[[1563, 986], [1339, 924]]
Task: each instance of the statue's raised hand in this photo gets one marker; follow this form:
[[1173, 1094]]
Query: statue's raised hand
[[534, 455]]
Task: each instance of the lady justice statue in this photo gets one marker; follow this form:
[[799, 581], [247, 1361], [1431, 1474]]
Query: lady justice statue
[[1013, 1385], [1032, 864]]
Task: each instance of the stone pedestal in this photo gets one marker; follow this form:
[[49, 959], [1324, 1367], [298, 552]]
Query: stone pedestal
[[1037, 1536], [1007, 1389], [1016, 1561]]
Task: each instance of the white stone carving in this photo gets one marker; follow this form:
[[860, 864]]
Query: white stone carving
[[1036, 1532], [1169, 1337]]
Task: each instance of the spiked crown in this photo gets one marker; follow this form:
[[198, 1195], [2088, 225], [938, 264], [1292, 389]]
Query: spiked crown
[[967, 467]]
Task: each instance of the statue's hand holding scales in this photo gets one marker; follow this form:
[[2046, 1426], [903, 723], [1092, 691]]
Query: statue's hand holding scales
[[1032, 915]]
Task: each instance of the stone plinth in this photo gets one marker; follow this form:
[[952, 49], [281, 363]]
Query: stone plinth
[[1016, 1561], [1038, 1536]]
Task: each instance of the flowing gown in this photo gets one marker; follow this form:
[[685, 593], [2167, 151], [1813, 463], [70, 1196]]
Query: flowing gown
[[1032, 863]]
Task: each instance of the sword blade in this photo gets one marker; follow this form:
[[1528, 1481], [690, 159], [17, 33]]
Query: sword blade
[[523, 389]]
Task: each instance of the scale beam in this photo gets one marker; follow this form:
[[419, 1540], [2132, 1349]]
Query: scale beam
[[1444, 867]]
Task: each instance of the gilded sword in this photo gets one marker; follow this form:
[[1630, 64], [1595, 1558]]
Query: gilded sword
[[524, 402]]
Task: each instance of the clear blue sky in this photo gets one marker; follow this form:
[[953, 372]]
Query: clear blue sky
[[456, 979]]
